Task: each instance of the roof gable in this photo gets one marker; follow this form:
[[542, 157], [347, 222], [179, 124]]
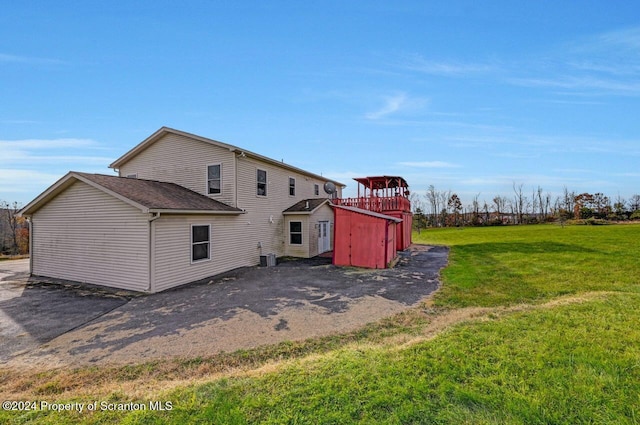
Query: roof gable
[[306, 206], [146, 195], [166, 130]]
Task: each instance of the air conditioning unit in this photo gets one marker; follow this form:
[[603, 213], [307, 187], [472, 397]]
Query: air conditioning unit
[[268, 260]]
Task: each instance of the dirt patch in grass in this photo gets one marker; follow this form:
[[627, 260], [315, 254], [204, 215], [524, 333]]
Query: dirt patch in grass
[[243, 309], [412, 326], [439, 319]]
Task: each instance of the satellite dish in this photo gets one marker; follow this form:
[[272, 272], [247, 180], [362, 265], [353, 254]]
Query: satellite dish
[[330, 188]]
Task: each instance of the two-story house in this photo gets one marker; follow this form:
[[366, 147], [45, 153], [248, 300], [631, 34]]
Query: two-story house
[[182, 208]]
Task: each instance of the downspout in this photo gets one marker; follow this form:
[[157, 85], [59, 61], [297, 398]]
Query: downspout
[[30, 245], [236, 159], [151, 261]]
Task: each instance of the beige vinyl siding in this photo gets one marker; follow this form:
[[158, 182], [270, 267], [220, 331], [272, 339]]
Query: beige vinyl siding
[[310, 229], [297, 250], [264, 213], [231, 247], [324, 213], [86, 235], [183, 160]]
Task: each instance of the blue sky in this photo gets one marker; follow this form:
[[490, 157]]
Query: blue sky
[[469, 97]]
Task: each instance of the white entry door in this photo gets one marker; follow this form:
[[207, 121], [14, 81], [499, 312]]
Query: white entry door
[[324, 237]]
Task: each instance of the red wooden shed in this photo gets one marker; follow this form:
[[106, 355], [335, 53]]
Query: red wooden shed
[[388, 195], [364, 238]]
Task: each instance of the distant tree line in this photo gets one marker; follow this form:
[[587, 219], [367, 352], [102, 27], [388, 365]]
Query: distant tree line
[[437, 208], [14, 230]]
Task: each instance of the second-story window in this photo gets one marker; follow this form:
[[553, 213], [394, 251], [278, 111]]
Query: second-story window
[[262, 183], [214, 179], [316, 189], [292, 186]]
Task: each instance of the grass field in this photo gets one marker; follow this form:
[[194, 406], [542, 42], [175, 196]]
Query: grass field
[[533, 325]]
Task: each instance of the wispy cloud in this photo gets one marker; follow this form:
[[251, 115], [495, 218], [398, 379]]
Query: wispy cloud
[[20, 122], [396, 103], [634, 175], [7, 58], [392, 104], [28, 158], [446, 68], [583, 83], [7, 145], [429, 164], [28, 166], [602, 64], [627, 38], [29, 152]]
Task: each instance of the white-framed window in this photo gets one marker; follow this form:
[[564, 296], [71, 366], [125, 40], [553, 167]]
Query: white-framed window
[[295, 233], [292, 186], [132, 176], [261, 179], [316, 189], [200, 242], [214, 179]]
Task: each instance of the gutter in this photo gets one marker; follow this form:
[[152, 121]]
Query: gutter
[[207, 212], [151, 258]]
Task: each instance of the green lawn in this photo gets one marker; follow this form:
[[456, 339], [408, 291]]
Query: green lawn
[[556, 341], [506, 265]]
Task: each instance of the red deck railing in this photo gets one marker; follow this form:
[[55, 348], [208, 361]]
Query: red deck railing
[[377, 204]]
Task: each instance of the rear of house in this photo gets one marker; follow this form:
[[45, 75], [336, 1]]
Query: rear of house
[[183, 208], [263, 188]]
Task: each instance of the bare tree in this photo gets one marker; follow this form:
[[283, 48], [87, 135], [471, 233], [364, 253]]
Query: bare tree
[[619, 207], [519, 201], [444, 212], [12, 222], [416, 202], [634, 203], [547, 205], [534, 203], [500, 205], [432, 199], [568, 203], [475, 210], [485, 209]]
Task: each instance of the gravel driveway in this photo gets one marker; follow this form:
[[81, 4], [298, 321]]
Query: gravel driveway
[[50, 325]]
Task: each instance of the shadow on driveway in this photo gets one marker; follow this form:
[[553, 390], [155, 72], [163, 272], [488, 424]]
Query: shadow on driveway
[[267, 301], [33, 312]]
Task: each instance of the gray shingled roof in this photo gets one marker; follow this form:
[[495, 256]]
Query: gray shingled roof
[[301, 206], [157, 195]]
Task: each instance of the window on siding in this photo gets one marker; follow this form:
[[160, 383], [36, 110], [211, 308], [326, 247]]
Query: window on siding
[[262, 183], [200, 242], [295, 232], [214, 179], [292, 186], [132, 176], [316, 189]]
